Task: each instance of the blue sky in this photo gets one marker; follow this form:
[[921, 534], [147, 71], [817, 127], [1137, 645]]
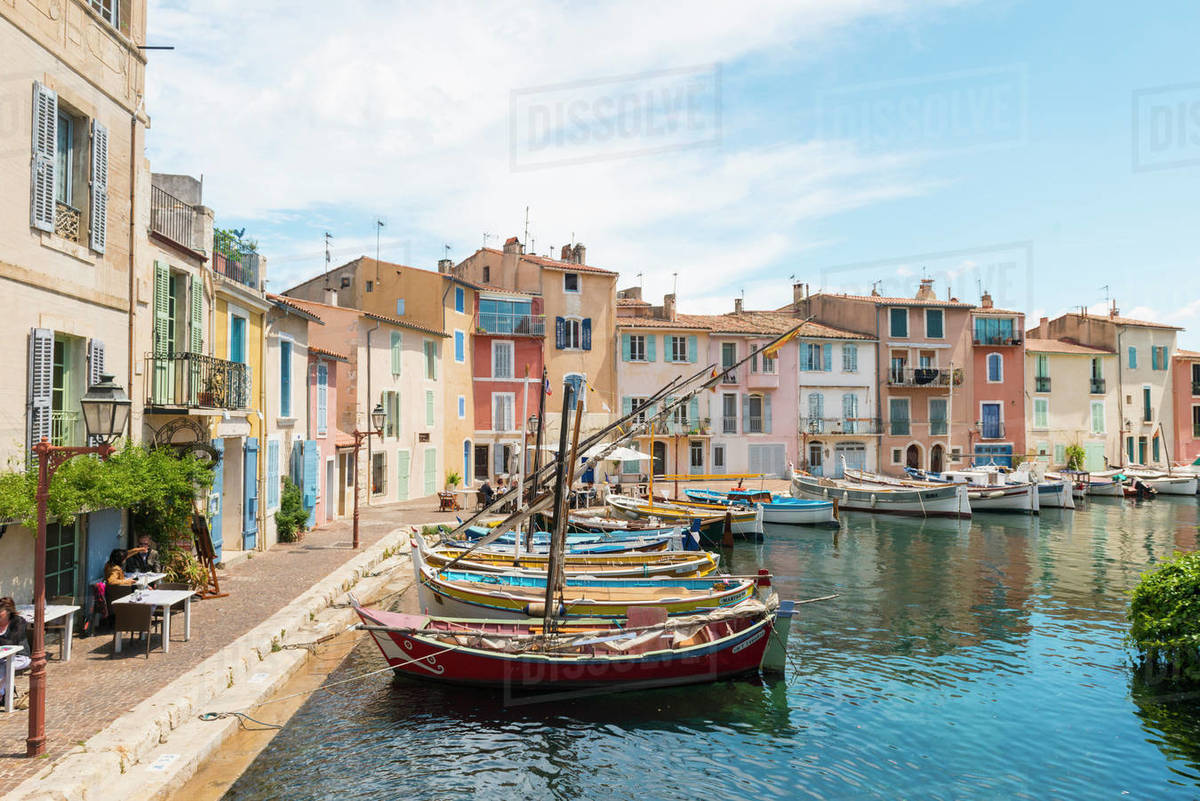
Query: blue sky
[[1028, 147]]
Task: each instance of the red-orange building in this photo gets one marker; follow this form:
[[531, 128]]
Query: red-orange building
[[1186, 379], [997, 388]]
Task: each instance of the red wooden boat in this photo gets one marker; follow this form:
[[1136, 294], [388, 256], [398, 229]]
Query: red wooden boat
[[649, 650]]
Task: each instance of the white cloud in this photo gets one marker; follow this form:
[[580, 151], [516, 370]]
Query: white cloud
[[294, 112]]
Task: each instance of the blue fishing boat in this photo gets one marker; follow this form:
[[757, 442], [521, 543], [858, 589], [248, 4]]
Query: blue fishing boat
[[780, 509]]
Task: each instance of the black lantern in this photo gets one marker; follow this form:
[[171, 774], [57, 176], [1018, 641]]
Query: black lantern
[[377, 418], [106, 410]]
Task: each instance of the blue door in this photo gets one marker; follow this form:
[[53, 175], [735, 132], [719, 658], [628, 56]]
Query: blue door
[[237, 339], [991, 421], [466, 476], [250, 507], [1001, 455], [214, 498], [310, 489]]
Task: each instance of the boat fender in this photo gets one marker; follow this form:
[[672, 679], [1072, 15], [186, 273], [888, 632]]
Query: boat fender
[[764, 577], [533, 609], [874, 499], [825, 492]]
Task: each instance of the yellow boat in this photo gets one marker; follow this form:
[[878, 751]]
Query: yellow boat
[[681, 564]]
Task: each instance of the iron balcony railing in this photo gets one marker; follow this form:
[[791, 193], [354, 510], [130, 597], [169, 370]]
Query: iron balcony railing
[[64, 428], [899, 427], [67, 221], [728, 378], [1041, 383], [997, 340], [533, 325], [840, 425], [172, 218], [923, 377], [991, 429], [197, 381], [728, 425], [235, 259], [1098, 386]]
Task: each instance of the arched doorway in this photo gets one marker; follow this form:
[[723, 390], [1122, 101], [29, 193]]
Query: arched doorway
[[660, 458], [936, 460], [912, 456]]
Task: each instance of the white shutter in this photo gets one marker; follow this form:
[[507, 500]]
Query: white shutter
[[95, 367], [41, 383], [99, 210], [45, 139]]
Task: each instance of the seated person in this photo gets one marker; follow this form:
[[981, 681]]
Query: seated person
[[13, 631], [486, 493], [114, 573], [143, 559]]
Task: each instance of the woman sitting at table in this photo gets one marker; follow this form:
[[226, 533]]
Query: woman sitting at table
[[114, 570], [13, 631]]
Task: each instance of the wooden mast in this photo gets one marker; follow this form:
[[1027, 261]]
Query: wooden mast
[[557, 542]]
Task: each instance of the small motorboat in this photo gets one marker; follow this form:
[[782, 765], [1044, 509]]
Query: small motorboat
[[746, 521], [779, 509]]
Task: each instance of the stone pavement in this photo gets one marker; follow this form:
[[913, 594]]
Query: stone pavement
[[97, 686]]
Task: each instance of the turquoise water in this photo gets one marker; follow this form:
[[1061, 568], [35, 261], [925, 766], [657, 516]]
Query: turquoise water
[[978, 659]]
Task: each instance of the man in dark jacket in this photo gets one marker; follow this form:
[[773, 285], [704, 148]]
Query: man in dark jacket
[[486, 493], [145, 560]]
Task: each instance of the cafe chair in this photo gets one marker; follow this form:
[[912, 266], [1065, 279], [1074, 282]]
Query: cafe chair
[[134, 618]]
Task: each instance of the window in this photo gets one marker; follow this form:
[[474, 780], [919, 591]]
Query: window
[[897, 456], [285, 377], [1097, 417], [636, 408], [1133, 358], [898, 416], [431, 357], [1041, 413], [1196, 422], [572, 338], [995, 368], [1154, 446], [399, 307], [755, 415], [635, 347], [460, 347], [64, 160], [994, 330], [728, 359], [460, 299], [1147, 412], [509, 317], [898, 322], [850, 413], [322, 399], [378, 472], [502, 359], [273, 473], [678, 348], [107, 9], [696, 456], [1162, 357], [1043, 451], [69, 190], [816, 413], [462, 407], [1042, 366], [679, 415], [397, 352], [729, 413], [769, 364], [1060, 453], [718, 458], [502, 411], [391, 413], [570, 282], [849, 358], [487, 274], [938, 426], [577, 383], [237, 338], [429, 417], [811, 356], [934, 328], [1195, 378], [370, 286]]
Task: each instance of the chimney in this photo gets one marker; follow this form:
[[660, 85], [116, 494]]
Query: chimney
[[580, 255], [797, 296], [513, 245], [566, 253], [669, 307], [925, 292], [331, 296], [445, 265], [632, 293], [986, 300], [1114, 311], [1043, 329], [737, 305]]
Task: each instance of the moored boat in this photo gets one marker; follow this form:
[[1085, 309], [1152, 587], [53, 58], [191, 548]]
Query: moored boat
[[778, 509], [944, 500], [1056, 493], [745, 521]]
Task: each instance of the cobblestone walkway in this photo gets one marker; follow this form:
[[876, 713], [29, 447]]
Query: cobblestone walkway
[[97, 686]]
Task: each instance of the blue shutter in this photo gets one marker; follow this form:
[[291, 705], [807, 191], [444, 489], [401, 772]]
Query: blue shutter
[[626, 406], [692, 350], [804, 365], [745, 413], [460, 347], [250, 498], [458, 299], [694, 412], [272, 474], [767, 414], [559, 332], [322, 399], [310, 457], [625, 350], [285, 378], [1132, 361], [587, 333], [215, 498], [651, 339], [827, 356]]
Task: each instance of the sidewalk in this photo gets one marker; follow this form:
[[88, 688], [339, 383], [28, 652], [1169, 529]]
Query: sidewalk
[[96, 686]]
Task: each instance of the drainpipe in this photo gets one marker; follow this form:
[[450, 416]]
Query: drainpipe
[[368, 412]]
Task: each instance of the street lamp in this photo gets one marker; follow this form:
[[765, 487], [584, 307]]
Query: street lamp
[[106, 410], [377, 418]]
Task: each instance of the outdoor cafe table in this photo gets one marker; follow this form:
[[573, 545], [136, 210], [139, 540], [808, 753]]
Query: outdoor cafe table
[[55, 612], [146, 578], [8, 654], [164, 599]]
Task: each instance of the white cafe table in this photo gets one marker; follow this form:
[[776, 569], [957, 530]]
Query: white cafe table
[[146, 578], [164, 599], [7, 653], [55, 612]]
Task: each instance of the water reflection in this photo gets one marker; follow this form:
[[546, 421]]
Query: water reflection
[[978, 658]]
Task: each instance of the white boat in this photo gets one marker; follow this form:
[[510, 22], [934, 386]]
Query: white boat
[[1020, 498], [1056, 493], [1173, 485], [947, 500], [1105, 488]]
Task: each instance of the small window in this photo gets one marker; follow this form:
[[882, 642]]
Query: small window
[[459, 299], [487, 274], [399, 306], [718, 457], [898, 322], [1041, 413], [378, 472], [370, 286], [572, 334], [570, 282], [849, 358], [1097, 417], [897, 456], [462, 407], [995, 368], [502, 411], [431, 351], [696, 451], [345, 282], [679, 350], [108, 10], [934, 324], [460, 347], [637, 348], [502, 360]]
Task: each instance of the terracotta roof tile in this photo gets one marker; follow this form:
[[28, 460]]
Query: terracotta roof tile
[[555, 264], [1187, 354], [313, 350], [1063, 346], [880, 300], [750, 322], [1122, 321], [289, 304], [316, 307]]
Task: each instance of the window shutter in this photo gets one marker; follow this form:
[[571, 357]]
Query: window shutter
[[767, 414], [162, 309], [694, 411], [692, 350], [99, 210], [827, 356], [196, 342], [397, 345], [45, 139], [41, 379], [95, 366], [804, 365], [559, 332], [322, 398], [587, 333], [250, 493], [746, 413], [814, 406], [626, 406], [625, 350], [651, 339], [429, 407], [272, 474]]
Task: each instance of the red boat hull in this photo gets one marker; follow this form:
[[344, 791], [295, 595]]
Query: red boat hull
[[422, 657]]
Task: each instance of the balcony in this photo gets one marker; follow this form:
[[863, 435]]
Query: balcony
[[529, 325], [64, 427], [1002, 341], [235, 259], [730, 378], [173, 219], [763, 380], [899, 427], [931, 377], [1041, 383], [196, 381], [991, 429], [67, 220], [840, 425], [728, 425], [1097, 386]]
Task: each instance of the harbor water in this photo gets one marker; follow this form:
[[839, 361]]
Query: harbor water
[[962, 659]]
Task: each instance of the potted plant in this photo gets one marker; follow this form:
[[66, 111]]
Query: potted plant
[[453, 479]]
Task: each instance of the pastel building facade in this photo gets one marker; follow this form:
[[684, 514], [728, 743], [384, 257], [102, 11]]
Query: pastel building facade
[[997, 389], [1185, 368], [1071, 399]]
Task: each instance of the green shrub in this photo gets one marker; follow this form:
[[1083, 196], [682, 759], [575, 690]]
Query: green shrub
[[292, 517], [1164, 615], [1075, 457], [182, 565]]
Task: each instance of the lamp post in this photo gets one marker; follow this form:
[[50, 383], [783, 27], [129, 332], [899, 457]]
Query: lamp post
[[377, 417], [106, 410]]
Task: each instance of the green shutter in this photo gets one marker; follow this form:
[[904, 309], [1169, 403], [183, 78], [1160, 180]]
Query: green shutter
[[625, 349], [196, 341], [162, 309], [402, 459], [651, 339], [429, 407], [691, 346], [397, 349], [694, 412]]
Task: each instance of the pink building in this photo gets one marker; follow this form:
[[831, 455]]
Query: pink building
[[1186, 379], [997, 392], [334, 447]]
